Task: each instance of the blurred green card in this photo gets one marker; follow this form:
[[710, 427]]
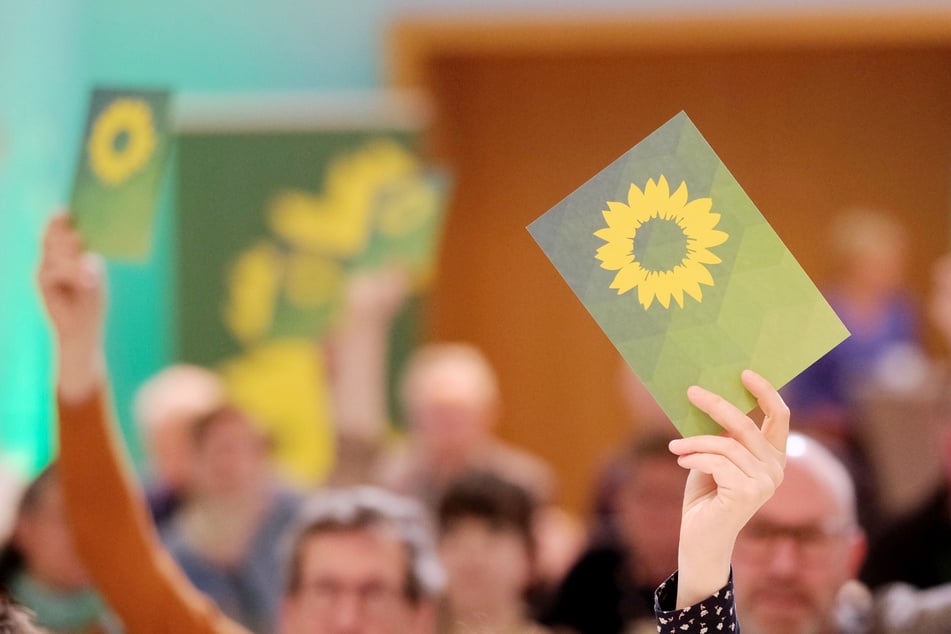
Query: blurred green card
[[122, 160], [406, 225], [685, 276]]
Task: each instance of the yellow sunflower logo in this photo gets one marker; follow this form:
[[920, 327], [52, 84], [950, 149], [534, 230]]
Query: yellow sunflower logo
[[122, 140], [660, 243]]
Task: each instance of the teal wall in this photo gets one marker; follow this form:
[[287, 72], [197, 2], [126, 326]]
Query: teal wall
[[52, 51]]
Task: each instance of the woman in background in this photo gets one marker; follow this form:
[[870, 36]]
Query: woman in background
[[40, 569]]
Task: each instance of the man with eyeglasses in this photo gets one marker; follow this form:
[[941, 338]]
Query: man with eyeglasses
[[795, 562], [361, 560]]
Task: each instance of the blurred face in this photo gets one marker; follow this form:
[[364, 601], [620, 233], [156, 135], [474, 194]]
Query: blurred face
[[879, 268], [793, 557], [448, 409], [230, 457], [487, 566], [44, 538], [650, 503], [169, 448], [353, 582]]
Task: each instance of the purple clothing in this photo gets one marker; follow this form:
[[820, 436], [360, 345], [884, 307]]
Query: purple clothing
[[831, 384]]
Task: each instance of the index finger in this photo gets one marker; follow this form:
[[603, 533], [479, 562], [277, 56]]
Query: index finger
[[775, 426]]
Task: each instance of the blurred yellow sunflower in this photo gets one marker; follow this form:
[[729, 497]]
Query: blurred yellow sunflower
[[253, 286], [660, 243], [409, 203], [122, 140]]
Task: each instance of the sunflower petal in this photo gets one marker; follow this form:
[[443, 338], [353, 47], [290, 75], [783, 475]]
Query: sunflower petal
[[627, 278], [615, 255], [702, 255]]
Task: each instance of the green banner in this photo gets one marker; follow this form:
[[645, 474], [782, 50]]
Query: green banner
[[270, 224]]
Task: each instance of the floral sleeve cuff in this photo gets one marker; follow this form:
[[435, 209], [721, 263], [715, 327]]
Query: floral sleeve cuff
[[717, 613]]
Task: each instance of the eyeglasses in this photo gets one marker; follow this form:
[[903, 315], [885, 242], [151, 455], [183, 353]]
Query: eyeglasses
[[814, 543], [376, 599]]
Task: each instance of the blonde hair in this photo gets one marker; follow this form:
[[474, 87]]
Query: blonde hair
[[859, 230], [179, 391], [431, 357]]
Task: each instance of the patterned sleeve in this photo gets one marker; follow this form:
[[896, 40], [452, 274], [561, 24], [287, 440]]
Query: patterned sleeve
[[715, 614]]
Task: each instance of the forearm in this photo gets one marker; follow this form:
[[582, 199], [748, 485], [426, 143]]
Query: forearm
[[703, 567], [358, 377], [111, 529]]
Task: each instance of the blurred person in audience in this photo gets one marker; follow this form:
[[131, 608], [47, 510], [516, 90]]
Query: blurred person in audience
[[916, 548], [729, 479], [225, 533], [40, 569], [611, 587], [794, 563], [487, 546], [361, 561], [450, 398], [868, 250], [166, 408]]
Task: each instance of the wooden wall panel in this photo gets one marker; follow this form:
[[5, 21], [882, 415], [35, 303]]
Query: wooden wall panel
[[807, 130]]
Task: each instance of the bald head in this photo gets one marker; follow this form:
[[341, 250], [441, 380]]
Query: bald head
[[808, 459], [800, 548]]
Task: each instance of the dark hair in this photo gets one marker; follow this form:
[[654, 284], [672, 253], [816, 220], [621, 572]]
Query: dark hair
[[485, 496], [368, 508], [11, 558]]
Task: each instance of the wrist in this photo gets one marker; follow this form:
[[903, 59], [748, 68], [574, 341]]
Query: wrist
[[702, 570], [80, 370]]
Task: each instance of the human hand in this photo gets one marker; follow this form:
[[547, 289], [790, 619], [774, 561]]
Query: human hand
[[71, 284], [731, 476]]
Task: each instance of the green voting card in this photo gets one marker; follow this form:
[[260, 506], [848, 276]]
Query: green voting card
[[685, 276], [122, 160], [406, 225]]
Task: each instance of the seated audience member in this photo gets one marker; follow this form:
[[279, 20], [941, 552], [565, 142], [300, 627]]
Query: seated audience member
[[39, 567], [868, 250], [451, 401], [730, 478], [361, 560], [794, 563], [611, 587], [487, 545], [916, 548], [225, 533], [166, 407]]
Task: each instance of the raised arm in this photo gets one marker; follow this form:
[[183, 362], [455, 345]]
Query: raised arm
[[111, 528], [731, 476]]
